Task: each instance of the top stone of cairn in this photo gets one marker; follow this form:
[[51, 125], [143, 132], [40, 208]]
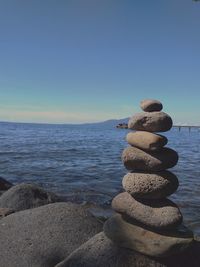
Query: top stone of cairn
[[150, 105]]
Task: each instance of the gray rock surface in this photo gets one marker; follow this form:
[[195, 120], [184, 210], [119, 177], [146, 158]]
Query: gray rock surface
[[4, 184], [145, 241], [150, 185], [100, 251], [151, 122], [150, 105], [146, 141], [25, 196], [137, 159], [162, 214], [44, 236]]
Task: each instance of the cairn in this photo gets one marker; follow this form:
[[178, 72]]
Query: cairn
[[146, 221]]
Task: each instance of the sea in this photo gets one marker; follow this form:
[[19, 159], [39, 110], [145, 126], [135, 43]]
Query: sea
[[82, 163]]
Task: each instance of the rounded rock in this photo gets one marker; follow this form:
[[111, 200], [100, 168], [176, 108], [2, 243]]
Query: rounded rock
[[150, 105], [150, 185], [146, 140], [145, 241], [26, 196], [151, 122], [162, 214], [137, 159]]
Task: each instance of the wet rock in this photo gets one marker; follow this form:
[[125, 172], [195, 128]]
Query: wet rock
[[25, 196], [150, 185], [162, 214], [145, 241], [4, 184], [151, 122], [150, 105], [44, 236], [146, 141], [137, 159]]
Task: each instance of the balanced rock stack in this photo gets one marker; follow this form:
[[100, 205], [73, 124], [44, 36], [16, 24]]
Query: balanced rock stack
[[146, 221]]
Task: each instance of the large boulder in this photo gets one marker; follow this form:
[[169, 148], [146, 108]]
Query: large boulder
[[44, 236], [26, 196], [99, 251], [148, 242]]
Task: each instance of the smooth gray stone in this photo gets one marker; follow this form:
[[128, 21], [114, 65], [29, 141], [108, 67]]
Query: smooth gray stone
[[138, 160], [44, 236], [150, 105], [150, 243], [157, 214], [100, 251], [26, 196], [157, 121], [150, 185], [146, 141]]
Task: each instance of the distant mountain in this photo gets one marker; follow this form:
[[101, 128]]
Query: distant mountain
[[112, 123]]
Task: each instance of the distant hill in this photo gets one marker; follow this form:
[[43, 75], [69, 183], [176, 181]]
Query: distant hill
[[112, 123]]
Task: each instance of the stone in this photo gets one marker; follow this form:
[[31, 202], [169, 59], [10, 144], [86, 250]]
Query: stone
[[151, 122], [25, 196], [162, 214], [44, 236], [145, 241], [150, 105], [150, 185], [146, 140], [137, 159], [4, 184], [5, 212]]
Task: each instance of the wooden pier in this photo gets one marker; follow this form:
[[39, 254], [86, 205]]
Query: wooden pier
[[187, 126]]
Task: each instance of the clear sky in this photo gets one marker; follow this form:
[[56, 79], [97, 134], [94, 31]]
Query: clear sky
[[92, 60]]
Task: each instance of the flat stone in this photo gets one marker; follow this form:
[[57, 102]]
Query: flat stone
[[150, 105], [5, 212], [146, 140], [145, 241], [162, 214], [4, 184], [137, 159], [44, 236], [26, 196], [151, 122], [150, 185]]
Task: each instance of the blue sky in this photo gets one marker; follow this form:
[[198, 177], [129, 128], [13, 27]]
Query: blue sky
[[92, 60]]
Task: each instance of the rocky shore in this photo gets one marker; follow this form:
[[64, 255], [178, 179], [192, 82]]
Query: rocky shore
[[39, 229]]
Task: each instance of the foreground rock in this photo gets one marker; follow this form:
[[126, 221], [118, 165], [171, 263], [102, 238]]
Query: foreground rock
[[145, 241], [44, 236], [26, 196], [151, 122], [4, 184], [147, 141], [162, 214], [150, 105], [137, 159], [99, 251], [150, 185]]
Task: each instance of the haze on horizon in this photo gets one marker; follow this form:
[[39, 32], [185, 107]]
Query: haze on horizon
[[87, 61]]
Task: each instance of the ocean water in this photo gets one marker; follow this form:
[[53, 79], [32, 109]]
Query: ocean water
[[83, 162]]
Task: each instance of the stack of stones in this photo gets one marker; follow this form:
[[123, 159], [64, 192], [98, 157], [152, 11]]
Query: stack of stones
[[146, 221]]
